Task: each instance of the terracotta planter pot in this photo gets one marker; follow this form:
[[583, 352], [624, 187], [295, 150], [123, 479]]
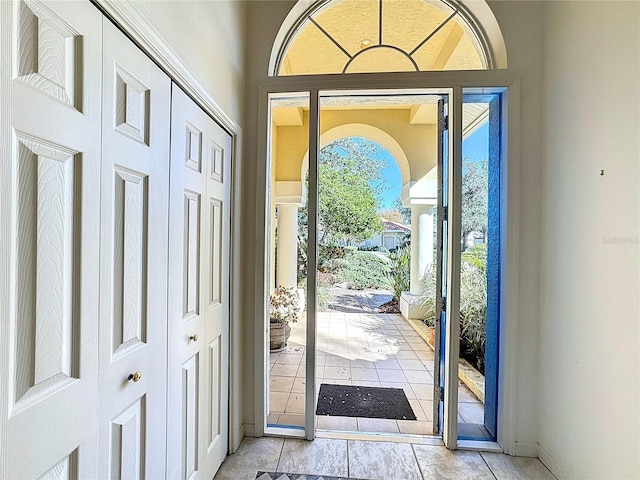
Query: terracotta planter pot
[[278, 335]]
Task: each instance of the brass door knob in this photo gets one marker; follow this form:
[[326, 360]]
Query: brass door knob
[[194, 338], [135, 377]]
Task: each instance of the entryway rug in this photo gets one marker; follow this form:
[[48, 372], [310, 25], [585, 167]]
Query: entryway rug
[[296, 476], [367, 402]]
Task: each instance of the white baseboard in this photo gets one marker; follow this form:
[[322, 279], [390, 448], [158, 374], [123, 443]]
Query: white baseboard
[[249, 430], [554, 467], [525, 449], [238, 439]]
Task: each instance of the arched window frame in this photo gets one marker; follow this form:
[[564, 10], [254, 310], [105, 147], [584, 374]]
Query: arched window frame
[[477, 17]]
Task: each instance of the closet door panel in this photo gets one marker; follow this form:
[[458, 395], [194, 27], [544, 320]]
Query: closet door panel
[[198, 292], [133, 268], [54, 198]]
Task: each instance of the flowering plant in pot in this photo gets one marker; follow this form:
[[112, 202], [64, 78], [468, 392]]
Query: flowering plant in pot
[[284, 307]]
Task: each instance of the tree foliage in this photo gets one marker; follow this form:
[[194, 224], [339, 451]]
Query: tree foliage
[[474, 198], [347, 206], [405, 212]]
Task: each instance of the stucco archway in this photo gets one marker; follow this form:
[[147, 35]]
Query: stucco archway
[[370, 133]]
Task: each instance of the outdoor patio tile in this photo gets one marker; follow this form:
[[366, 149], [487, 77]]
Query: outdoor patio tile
[[336, 361], [295, 403], [377, 425], [294, 349], [335, 381], [382, 460], [272, 417], [294, 419], [290, 358], [505, 467], [280, 384], [391, 376], [298, 385], [414, 376], [345, 424], [466, 395], [423, 391], [364, 374], [471, 412], [278, 401], [388, 364], [427, 408], [337, 372], [365, 383], [320, 457], [362, 364], [415, 427], [284, 370], [406, 354], [407, 364], [418, 410], [418, 346]]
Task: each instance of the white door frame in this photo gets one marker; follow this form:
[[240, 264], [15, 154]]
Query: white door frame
[[125, 16], [453, 83]]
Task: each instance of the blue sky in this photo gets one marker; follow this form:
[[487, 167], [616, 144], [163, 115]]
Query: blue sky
[[474, 147]]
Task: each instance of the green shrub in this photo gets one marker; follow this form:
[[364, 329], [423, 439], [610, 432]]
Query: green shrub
[[323, 295], [399, 275], [360, 270], [473, 304]]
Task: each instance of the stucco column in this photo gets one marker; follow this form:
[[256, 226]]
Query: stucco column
[[286, 269], [421, 244]]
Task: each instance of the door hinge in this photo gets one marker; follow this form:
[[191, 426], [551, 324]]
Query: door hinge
[[443, 212], [442, 304], [443, 124]]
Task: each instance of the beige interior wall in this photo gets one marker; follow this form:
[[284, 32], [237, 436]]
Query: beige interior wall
[[589, 329], [521, 23], [209, 37]]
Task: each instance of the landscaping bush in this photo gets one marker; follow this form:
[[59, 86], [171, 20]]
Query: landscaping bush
[[360, 270], [399, 274], [323, 295], [473, 304]]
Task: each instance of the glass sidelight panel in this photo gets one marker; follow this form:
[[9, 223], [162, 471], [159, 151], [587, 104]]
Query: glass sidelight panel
[[479, 268], [288, 233]]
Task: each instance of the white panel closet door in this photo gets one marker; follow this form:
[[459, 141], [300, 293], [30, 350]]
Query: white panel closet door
[[133, 266], [54, 203], [198, 292]]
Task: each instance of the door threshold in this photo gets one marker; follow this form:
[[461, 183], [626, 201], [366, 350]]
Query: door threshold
[[381, 437]]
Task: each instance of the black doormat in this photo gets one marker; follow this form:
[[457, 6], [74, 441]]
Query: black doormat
[[367, 402]]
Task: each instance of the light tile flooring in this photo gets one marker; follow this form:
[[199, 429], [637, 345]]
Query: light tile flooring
[[374, 461], [364, 349]]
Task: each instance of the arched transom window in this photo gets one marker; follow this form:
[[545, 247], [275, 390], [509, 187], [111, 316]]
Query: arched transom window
[[360, 36]]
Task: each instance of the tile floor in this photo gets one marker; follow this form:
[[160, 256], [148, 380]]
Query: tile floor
[[374, 461], [365, 349]]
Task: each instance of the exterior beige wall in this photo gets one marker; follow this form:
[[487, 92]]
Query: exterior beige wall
[[417, 143]]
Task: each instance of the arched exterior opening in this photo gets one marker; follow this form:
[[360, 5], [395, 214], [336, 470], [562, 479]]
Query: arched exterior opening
[[360, 36], [369, 132]]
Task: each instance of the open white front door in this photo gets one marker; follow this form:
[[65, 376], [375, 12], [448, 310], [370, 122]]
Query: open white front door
[[198, 292], [133, 288]]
